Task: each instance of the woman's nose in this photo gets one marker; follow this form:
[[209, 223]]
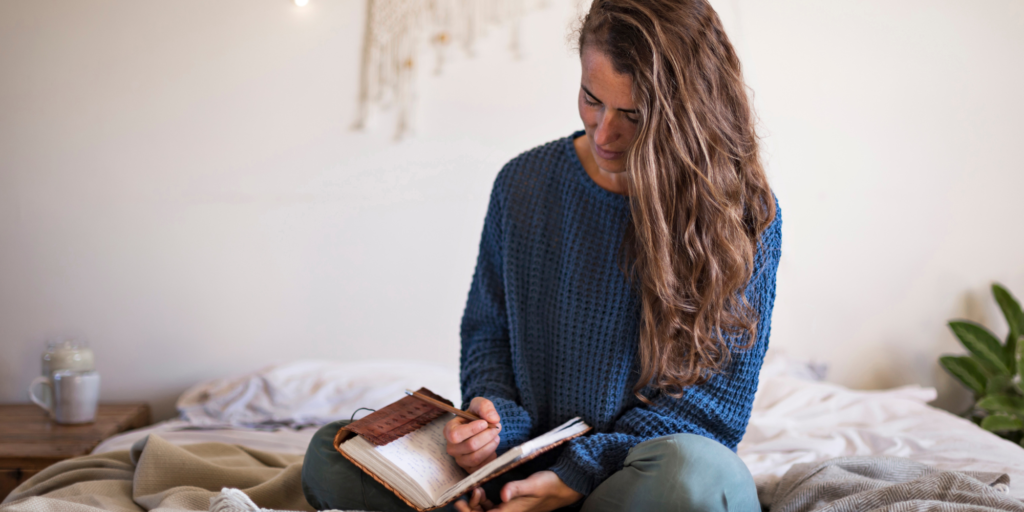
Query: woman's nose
[[606, 132]]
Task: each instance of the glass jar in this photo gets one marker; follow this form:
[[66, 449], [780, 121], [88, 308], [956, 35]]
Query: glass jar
[[67, 355]]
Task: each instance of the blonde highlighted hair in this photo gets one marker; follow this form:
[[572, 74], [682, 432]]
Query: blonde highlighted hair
[[698, 193]]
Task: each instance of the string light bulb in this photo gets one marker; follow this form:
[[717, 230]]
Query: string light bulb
[[301, 3]]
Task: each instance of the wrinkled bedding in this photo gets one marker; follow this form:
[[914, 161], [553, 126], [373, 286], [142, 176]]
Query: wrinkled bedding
[[796, 419], [309, 392], [888, 484], [158, 476]]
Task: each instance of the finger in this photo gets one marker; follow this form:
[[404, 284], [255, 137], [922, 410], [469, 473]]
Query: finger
[[517, 489], [460, 433], [508, 492], [488, 412], [485, 409], [472, 468], [474, 443], [479, 457], [477, 498], [515, 506], [474, 404], [466, 448], [462, 506], [452, 424]]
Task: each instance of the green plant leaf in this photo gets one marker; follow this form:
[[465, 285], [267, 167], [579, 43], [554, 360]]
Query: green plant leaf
[[1020, 362], [997, 385], [1010, 349], [967, 371], [983, 344], [1011, 309], [1001, 423], [1006, 404], [1014, 318]]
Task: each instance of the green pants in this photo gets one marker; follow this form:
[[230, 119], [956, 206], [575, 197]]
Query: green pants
[[683, 472]]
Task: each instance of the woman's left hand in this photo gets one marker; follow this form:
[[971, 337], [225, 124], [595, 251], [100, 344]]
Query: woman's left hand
[[541, 492]]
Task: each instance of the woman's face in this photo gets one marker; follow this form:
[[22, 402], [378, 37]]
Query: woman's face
[[607, 110]]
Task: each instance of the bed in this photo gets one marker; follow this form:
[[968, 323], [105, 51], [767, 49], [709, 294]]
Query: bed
[[268, 416]]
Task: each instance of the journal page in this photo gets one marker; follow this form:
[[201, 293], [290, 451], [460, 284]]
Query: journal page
[[422, 455]]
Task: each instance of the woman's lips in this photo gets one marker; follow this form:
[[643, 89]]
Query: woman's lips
[[608, 155]]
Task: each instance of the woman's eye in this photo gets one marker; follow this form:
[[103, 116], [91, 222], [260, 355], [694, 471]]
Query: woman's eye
[[586, 99]]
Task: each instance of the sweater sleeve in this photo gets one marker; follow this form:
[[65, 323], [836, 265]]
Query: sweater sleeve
[[486, 355], [718, 409]]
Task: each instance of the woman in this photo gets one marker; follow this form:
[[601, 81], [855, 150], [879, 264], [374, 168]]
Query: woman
[[626, 275]]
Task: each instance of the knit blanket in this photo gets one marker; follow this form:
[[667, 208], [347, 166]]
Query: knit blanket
[[157, 476], [887, 484]]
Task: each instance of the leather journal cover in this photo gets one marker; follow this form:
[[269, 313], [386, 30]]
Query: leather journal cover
[[396, 420], [408, 415]]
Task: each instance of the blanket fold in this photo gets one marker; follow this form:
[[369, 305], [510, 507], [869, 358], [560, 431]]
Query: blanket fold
[[158, 476], [887, 484]]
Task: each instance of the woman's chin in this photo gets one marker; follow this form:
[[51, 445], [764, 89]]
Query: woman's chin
[[611, 166]]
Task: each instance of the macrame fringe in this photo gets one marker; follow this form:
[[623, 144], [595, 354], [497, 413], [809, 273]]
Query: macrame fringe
[[396, 31], [234, 500]]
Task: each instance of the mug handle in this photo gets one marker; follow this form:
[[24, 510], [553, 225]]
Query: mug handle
[[38, 401]]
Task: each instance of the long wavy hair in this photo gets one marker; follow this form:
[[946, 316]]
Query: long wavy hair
[[698, 193]]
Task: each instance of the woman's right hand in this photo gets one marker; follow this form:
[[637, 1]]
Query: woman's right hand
[[473, 443]]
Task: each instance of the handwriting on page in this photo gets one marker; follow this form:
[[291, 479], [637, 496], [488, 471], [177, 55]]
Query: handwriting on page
[[422, 456]]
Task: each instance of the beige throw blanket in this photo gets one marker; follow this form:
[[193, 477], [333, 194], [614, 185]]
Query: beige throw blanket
[[158, 476], [887, 484]]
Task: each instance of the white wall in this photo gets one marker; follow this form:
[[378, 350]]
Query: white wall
[[179, 184], [894, 134]]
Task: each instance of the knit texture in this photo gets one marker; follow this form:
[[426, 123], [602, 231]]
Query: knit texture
[[551, 326]]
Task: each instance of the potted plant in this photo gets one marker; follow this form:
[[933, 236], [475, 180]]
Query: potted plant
[[992, 369]]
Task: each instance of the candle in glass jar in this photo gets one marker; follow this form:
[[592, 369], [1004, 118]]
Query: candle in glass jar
[[67, 355]]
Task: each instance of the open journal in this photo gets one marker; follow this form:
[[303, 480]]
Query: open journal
[[416, 466]]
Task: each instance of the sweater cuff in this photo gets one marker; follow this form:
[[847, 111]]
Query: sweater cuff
[[515, 423], [575, 476]]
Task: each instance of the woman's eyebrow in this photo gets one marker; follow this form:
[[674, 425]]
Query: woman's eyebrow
[[632, 111]]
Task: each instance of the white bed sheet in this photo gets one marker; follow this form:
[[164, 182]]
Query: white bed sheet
[[795, 419], [303, 392], [295, 393]]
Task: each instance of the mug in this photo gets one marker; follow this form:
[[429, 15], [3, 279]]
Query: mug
[[64, 355], [75, 395]]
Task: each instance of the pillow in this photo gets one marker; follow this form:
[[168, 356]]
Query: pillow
[[778, 363], [310, 392], [314, 392]]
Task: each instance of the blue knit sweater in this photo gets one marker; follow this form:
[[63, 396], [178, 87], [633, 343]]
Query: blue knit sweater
[[551, 325]]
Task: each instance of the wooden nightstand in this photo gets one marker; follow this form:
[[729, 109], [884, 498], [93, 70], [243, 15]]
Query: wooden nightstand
[[30, 441]]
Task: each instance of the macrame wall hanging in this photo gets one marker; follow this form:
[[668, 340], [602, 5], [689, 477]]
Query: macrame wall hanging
[[397, 33]]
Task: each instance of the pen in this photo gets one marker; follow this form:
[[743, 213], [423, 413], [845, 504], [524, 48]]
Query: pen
[[443, 406]]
